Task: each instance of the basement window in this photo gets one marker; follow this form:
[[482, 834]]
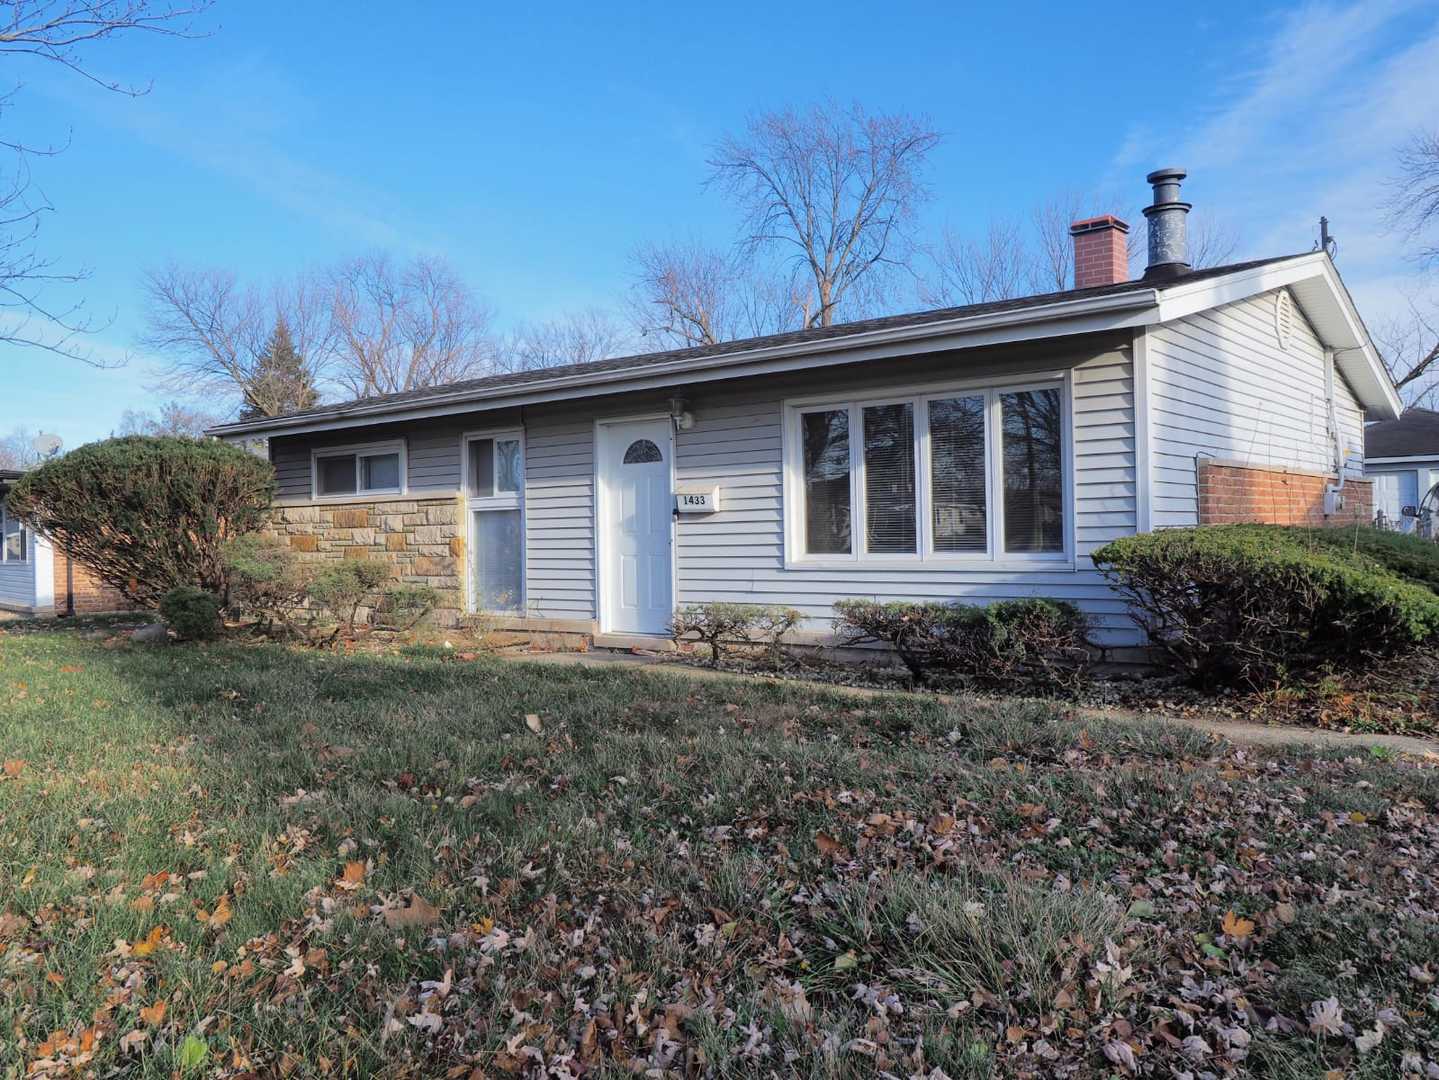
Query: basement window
[[374, 469]]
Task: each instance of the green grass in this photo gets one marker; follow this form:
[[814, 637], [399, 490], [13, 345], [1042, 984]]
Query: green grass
[[711, 878]]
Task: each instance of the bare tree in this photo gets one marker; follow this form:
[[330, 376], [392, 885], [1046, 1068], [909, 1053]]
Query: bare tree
[[833, 188], [60, 32], [1414, 193], [577, 338], [17, 450], [398, 327], [173, 418], [687, 295], [213, 332], [1409, 344], [997, 266]]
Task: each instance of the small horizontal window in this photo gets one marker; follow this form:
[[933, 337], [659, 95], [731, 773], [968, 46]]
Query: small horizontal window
[[359, 472]]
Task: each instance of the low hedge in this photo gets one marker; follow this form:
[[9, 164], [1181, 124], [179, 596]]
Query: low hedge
[[1408, 556], [1251, 603], [1010, 644]]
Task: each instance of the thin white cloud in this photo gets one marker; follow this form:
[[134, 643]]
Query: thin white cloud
[[1311, 129], [247, 121]]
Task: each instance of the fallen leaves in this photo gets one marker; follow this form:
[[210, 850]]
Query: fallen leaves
[[418, 912], [150, 942], [352, 877], [14, 767], [154, 1015], [1236, 927], [532, 721]]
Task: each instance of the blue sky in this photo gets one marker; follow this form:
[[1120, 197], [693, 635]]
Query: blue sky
[[536, 147]]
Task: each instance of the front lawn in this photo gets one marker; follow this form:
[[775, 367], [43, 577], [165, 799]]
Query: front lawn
[[236, 860]]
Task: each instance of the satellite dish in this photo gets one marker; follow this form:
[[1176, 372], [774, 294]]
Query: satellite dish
[[46, 445]]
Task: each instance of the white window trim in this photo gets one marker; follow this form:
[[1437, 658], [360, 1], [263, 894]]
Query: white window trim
[[510, 500], [995, 558], [27, 539], [360, 450]]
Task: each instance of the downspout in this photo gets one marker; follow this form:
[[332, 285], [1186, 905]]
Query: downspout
[[1333, 493]]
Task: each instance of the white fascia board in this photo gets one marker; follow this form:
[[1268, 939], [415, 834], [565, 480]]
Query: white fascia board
[[1345, 333], [1092, 315], [1400, 460]]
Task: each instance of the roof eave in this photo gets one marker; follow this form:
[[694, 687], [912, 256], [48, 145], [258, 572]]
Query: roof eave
[[1046, 320]]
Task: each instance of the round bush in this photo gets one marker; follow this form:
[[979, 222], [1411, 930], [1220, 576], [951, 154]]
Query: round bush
[[1248, 604], [148, 514], [192, 613]]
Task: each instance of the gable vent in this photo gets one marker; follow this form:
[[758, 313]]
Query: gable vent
[[1283, 318]]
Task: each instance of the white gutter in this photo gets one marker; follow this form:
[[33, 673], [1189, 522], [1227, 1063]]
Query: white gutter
[[1067, 309]]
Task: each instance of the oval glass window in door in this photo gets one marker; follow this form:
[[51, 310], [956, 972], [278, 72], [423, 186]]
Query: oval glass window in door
[[642, 451]]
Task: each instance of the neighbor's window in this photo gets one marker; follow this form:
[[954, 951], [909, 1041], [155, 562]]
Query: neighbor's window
[[14, 539], [495, 482], [375, 470], [976, 474]]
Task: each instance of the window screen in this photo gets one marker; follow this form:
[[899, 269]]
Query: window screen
[[1033, 471], [956, 461], [498, 557], [337, 475], [509, 476], [380, 472], [826, 481], [889, 506], [482, 467]]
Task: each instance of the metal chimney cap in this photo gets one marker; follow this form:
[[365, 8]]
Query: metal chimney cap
[[1170, 173]]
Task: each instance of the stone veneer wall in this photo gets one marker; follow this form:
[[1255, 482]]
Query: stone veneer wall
[[420, 538]]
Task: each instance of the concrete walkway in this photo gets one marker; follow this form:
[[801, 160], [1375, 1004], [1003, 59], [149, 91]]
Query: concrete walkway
[[1238, 731]]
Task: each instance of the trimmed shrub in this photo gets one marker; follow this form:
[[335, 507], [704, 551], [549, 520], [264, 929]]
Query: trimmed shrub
[[148, 514], [1010, 644], [1410, 557], [401, 607], [716, 624], [266, 579], [345, 587], [1252, 603], [192, 613]]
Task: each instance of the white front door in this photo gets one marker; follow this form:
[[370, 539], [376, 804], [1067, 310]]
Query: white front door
[[636, 522]]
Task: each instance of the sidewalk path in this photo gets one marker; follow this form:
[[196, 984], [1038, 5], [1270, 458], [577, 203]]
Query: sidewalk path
[[1238, 731]]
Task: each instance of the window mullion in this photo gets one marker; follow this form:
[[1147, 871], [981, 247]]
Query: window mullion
[[923, 540], [858, 531], [994, 473]]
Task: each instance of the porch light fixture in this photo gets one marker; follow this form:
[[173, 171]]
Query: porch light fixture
[[682, 417]]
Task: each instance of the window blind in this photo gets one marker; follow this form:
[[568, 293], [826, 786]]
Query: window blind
[[889, 479], [826, 481], [1033, 471], [956, 458]]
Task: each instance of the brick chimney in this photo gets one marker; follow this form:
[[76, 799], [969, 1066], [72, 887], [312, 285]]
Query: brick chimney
[[1101, 256]]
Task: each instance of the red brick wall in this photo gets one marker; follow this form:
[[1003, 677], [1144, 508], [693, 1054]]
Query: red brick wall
[[91, 594], [1232, 494]]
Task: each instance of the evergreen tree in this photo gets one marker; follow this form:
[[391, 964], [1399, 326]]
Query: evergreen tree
[[280, 383]]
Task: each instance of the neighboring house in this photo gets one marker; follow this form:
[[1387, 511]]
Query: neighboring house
[[37, 580], [1402, 459], [974, 453]]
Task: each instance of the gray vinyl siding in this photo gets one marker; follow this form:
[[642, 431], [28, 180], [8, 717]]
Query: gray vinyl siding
[[1221, 387], [736, 444], [17, 585]]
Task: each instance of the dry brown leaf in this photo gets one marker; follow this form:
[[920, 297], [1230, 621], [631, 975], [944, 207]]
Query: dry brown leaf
[[828, 845], [142, 903], [1235, 927], [14, 766], [149, 943], [352, 877], [222, 913], [532, 721], [418, 913], [154, 1014]]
